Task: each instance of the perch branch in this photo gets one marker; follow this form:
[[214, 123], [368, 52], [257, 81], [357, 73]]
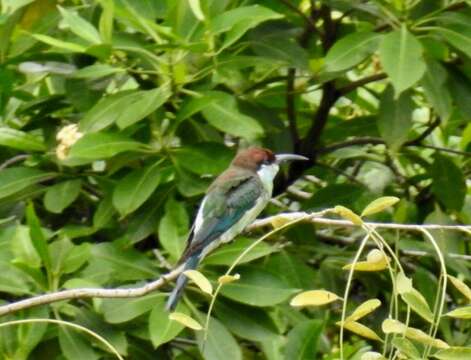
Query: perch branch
[[316, 218]]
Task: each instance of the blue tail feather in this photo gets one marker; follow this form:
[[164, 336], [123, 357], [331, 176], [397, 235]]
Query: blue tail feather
[[190, 264]]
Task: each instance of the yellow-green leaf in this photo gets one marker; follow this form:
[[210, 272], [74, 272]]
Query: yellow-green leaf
[[379, 205], [200, 280], [454, 353], [226, 279], [185, 320], [420, 336], [391, 326], [460, 313], [364, 309], [403, 283], [376, 260], [348, 214], [418, 303], [360, 329], [195, 7], [461, 286], [372, 355], [314, 298]]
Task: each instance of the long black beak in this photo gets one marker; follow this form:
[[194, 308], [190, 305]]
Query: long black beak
[[289, 157]]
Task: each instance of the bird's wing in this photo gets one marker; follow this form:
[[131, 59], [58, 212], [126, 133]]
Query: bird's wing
[[224, 205]]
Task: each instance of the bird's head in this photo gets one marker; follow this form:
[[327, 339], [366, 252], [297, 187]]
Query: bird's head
[[263, 161]]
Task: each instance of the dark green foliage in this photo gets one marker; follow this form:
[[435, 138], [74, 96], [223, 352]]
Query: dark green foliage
[[116, 115]]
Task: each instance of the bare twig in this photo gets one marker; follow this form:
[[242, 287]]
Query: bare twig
[[14, 160], [316, 218], [361, 82]]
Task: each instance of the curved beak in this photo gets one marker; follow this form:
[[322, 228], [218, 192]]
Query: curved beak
[[280, 158]]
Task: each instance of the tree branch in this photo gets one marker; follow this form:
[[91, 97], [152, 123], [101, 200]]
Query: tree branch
[[361, 82], [291, 109], [315, 218]]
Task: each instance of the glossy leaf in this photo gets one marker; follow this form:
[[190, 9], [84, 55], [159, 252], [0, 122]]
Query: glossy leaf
[[15, 179], [379, 205], [161, 328], [118, 311], [20, 140], [185, 320], [448, 182], [314, 298], [123, 108], [257, 287], [363, 309], [99, 146], [37, 236], [173, 228], [220, 343], [460, 313], [80, 26], [200, 280], [132, 191], [461, 286], [60, 196], [351, 50], [361, 330], [303, 340], [453, 353], [75, 346], [395, 118], [401, 56]]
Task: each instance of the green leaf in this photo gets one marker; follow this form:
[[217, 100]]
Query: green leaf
[[449, 184], [124, 108], [224, 116], [395, 118], [173, 228], [37, 237], [20, 140], [104, 213], [98, 146], [257, 287], [79, 26], [30, 335], [246, 322], [13, 281], [418, 304], [96, 71], [200, 158], [406, 347], [122, 264], [236, 22], [460, 313], [332, 195], [351, 50], [56, 43], [135, 188], [458, 36], [453, 353], [161, 328], [379, 205], [303, 340], [436, 90], [226, 255], [401, 56], [23, 249], [117, 311], [74, 345], [60, 196], [220, 343], [15, 179]]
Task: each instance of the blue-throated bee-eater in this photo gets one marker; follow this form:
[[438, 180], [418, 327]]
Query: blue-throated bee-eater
[[232, 202]]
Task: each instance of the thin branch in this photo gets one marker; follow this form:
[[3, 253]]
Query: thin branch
[[316, 218], [14, 160], [361, 82], [433, 125], [309, 20], [291, 108], [89, 293]]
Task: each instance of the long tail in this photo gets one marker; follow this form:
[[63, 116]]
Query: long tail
[[190, 264]]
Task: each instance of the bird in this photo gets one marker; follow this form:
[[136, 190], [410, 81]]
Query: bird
[[232, 202]]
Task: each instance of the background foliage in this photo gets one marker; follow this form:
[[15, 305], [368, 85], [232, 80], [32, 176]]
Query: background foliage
[[115, 116]]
